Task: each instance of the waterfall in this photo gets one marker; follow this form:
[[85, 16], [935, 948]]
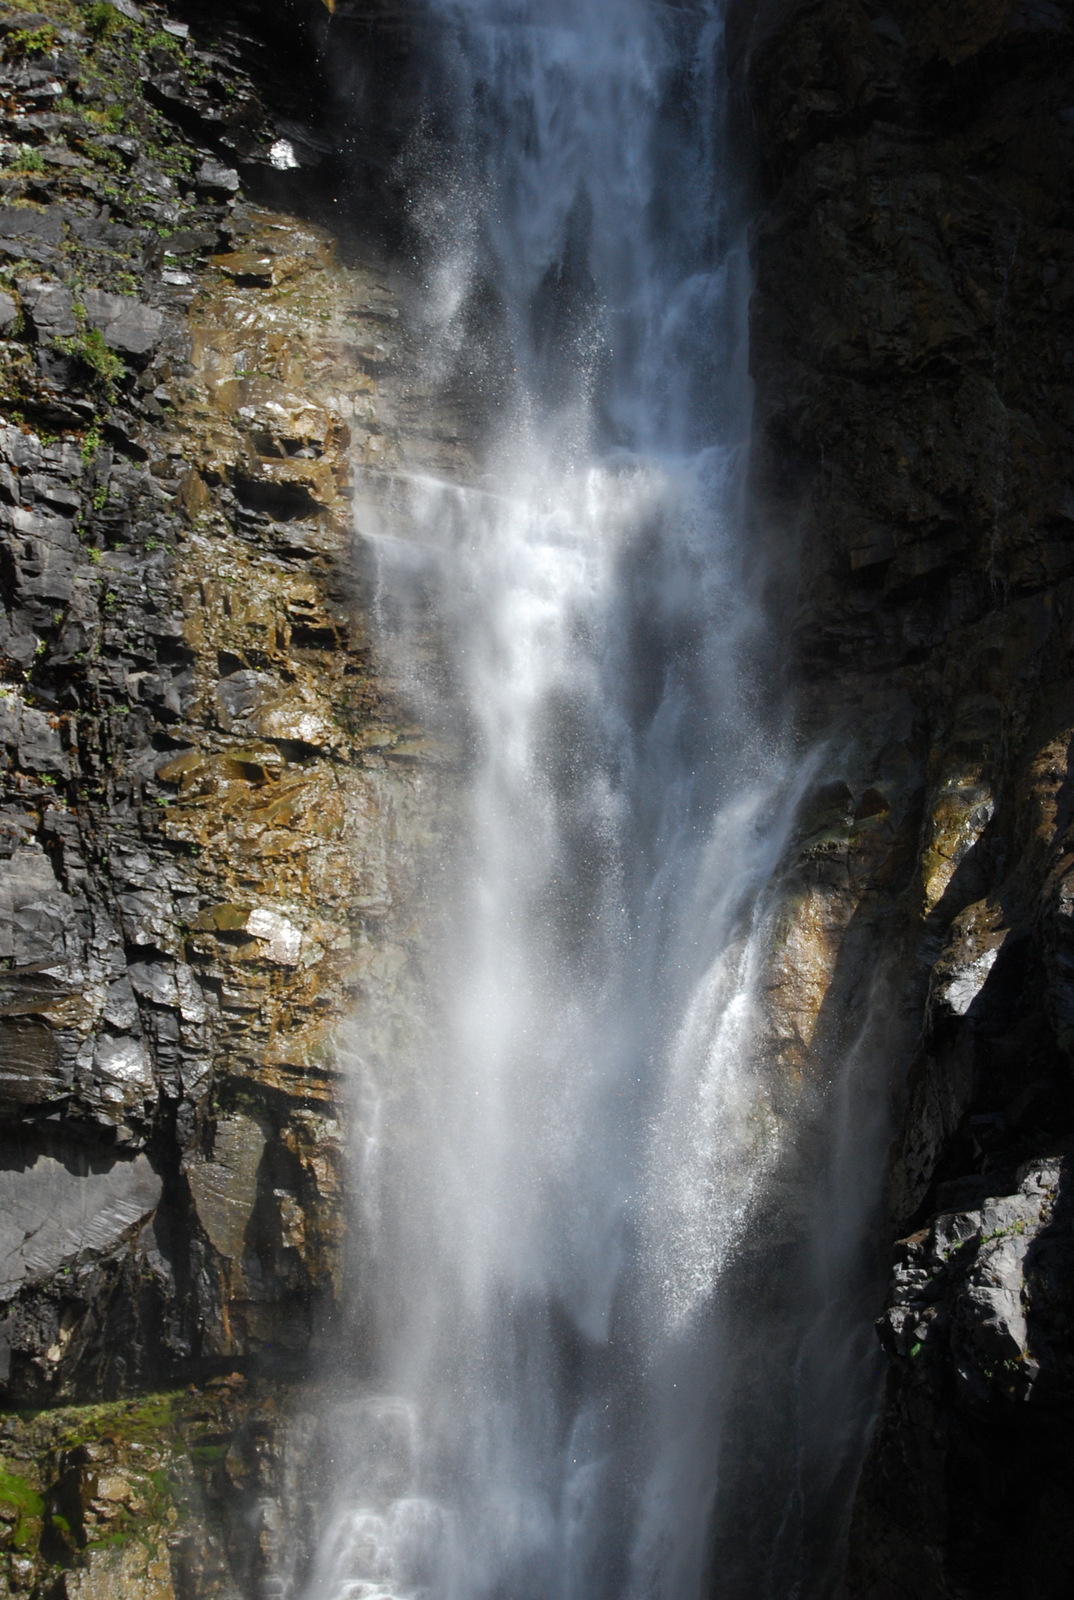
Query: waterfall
[[563, 1165]]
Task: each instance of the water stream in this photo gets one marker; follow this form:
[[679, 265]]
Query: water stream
[[566, 1175]]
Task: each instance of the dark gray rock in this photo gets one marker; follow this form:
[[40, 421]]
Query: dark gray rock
[[62, 497], [108, 1037], [225, 1187], [156, 982], [38, 921], [40, 746], [8, 311], [40, 525], [193, 241], [32, 227], [23, 450], [120, 1007], [911, 278], [32, 1072], [959, 1291], [126, 324], [121, 1082], [17, 643], [10, 718], [149, 920], [52, 1215], [50, 307], [102, 232], [241, 693], [19, 21]]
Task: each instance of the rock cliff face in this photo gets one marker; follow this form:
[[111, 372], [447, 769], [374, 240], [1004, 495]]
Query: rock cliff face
[[210, 809], [912, 349]]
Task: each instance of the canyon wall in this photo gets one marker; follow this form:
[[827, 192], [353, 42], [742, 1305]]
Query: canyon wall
[[211, 810], [913, 352]]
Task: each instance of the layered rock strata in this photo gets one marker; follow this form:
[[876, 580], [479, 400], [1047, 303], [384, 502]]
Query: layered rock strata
[[211, 811]]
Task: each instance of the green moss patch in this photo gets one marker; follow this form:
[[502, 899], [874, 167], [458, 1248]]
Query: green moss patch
[[22, 1509]]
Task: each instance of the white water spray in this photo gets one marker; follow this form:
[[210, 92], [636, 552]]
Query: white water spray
[[564, 1174]]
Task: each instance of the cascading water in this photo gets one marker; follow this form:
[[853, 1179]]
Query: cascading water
[[564, 1169]]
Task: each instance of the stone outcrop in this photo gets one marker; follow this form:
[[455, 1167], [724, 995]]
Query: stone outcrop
[[211, 811], [216, 1491], [911, 326]]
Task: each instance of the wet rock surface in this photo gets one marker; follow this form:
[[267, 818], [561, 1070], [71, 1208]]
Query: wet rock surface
[[218, 1491], [974, 1430], [914, 388]]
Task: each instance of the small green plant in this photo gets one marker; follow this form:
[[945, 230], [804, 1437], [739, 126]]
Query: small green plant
[[100, 497], [111, 600], [89, 347], [91, 443], [95, 556], [152, 544], [102, 20], [207, 1455], [109, 119], [26, 42], [110, 1541], [1010, 1230], [26, 159]]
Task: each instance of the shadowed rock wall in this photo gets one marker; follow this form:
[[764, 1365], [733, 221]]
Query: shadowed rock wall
[[913, 350]]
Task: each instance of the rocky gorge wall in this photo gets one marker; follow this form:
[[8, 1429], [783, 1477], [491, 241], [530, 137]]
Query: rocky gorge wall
[[211, 809], [214, 812], [914, 366]]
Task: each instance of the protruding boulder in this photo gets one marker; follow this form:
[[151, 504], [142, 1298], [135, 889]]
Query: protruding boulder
[[224, 1187]]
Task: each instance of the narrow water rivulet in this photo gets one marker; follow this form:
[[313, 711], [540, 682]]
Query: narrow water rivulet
[[611, 1355]]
